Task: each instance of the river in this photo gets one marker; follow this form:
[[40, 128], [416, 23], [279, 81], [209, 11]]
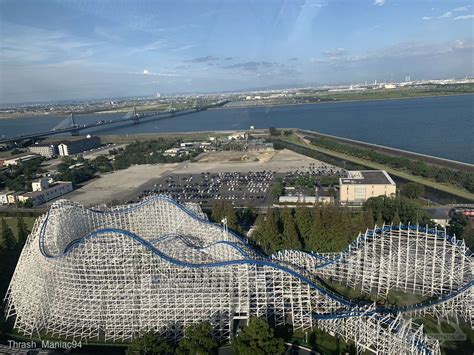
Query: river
[[441, 126]]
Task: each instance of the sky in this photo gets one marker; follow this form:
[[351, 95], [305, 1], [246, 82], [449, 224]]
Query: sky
[[78, 49]]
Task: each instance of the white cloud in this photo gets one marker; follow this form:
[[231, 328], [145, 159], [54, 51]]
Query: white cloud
[[379, 2], [449, 14], [107, 34], [446, 15], [25, 44], [400, 50], [185, 47], [373, 28], [150, 47], [335, 53], [146, 72], [464, 17]]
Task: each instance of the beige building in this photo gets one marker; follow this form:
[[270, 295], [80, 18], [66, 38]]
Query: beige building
[[47, 150], [44, 192], [9, 198], [359, 186], [40, 185], [4, 197]]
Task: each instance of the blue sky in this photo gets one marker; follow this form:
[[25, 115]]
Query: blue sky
[[55, 50]]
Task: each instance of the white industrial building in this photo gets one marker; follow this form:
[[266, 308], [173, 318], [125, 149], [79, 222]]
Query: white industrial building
[[173, 152], [44, 192]]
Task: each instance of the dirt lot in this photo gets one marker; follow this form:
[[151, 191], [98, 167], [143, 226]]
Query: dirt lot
[[278, 161], [127, 184], [119, 186]]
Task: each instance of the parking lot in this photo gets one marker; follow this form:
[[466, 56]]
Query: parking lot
[[315, 170], [236, 179], [241, 189]]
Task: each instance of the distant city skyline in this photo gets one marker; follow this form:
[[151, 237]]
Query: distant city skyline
[[62, 50]]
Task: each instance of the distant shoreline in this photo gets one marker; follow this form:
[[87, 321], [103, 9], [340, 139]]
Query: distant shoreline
[[343, 101], [15, 117]]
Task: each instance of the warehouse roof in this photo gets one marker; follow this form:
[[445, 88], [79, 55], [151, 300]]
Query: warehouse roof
[[368, 177]]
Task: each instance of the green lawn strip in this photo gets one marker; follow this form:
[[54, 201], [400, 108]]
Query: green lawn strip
[[449, 189]]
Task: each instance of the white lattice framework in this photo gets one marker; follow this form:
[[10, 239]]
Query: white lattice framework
[[409, 259], [110, 275]]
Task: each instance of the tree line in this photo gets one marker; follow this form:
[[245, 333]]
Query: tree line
[[148, 152], [10, 250], [79, 170], [319, 228], [257, 337], [416, 167], [19, 177], [462, 227]]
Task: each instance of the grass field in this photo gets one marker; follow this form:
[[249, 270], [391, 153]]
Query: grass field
[[402, 174]]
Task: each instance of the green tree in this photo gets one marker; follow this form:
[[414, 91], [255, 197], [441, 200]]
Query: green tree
[[318, 230], [457, 223], [412, 190], [8, 256], [469, 182], [368, 218], [304, 222], [271, 236], [274, 132], [379, 221], [246, 216], [197, 340], [257, 235], [396, 219], [217, 211], [149, 344], [291, 239], [22, 232], [257, 338], [229, 213], [468, 236], [277, 189], [8, 239], [102, 164], [384, 209]]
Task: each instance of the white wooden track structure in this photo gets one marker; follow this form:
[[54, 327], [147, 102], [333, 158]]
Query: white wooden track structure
[[113, 274]]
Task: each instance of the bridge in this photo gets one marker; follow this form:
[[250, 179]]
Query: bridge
[[136, 118]]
